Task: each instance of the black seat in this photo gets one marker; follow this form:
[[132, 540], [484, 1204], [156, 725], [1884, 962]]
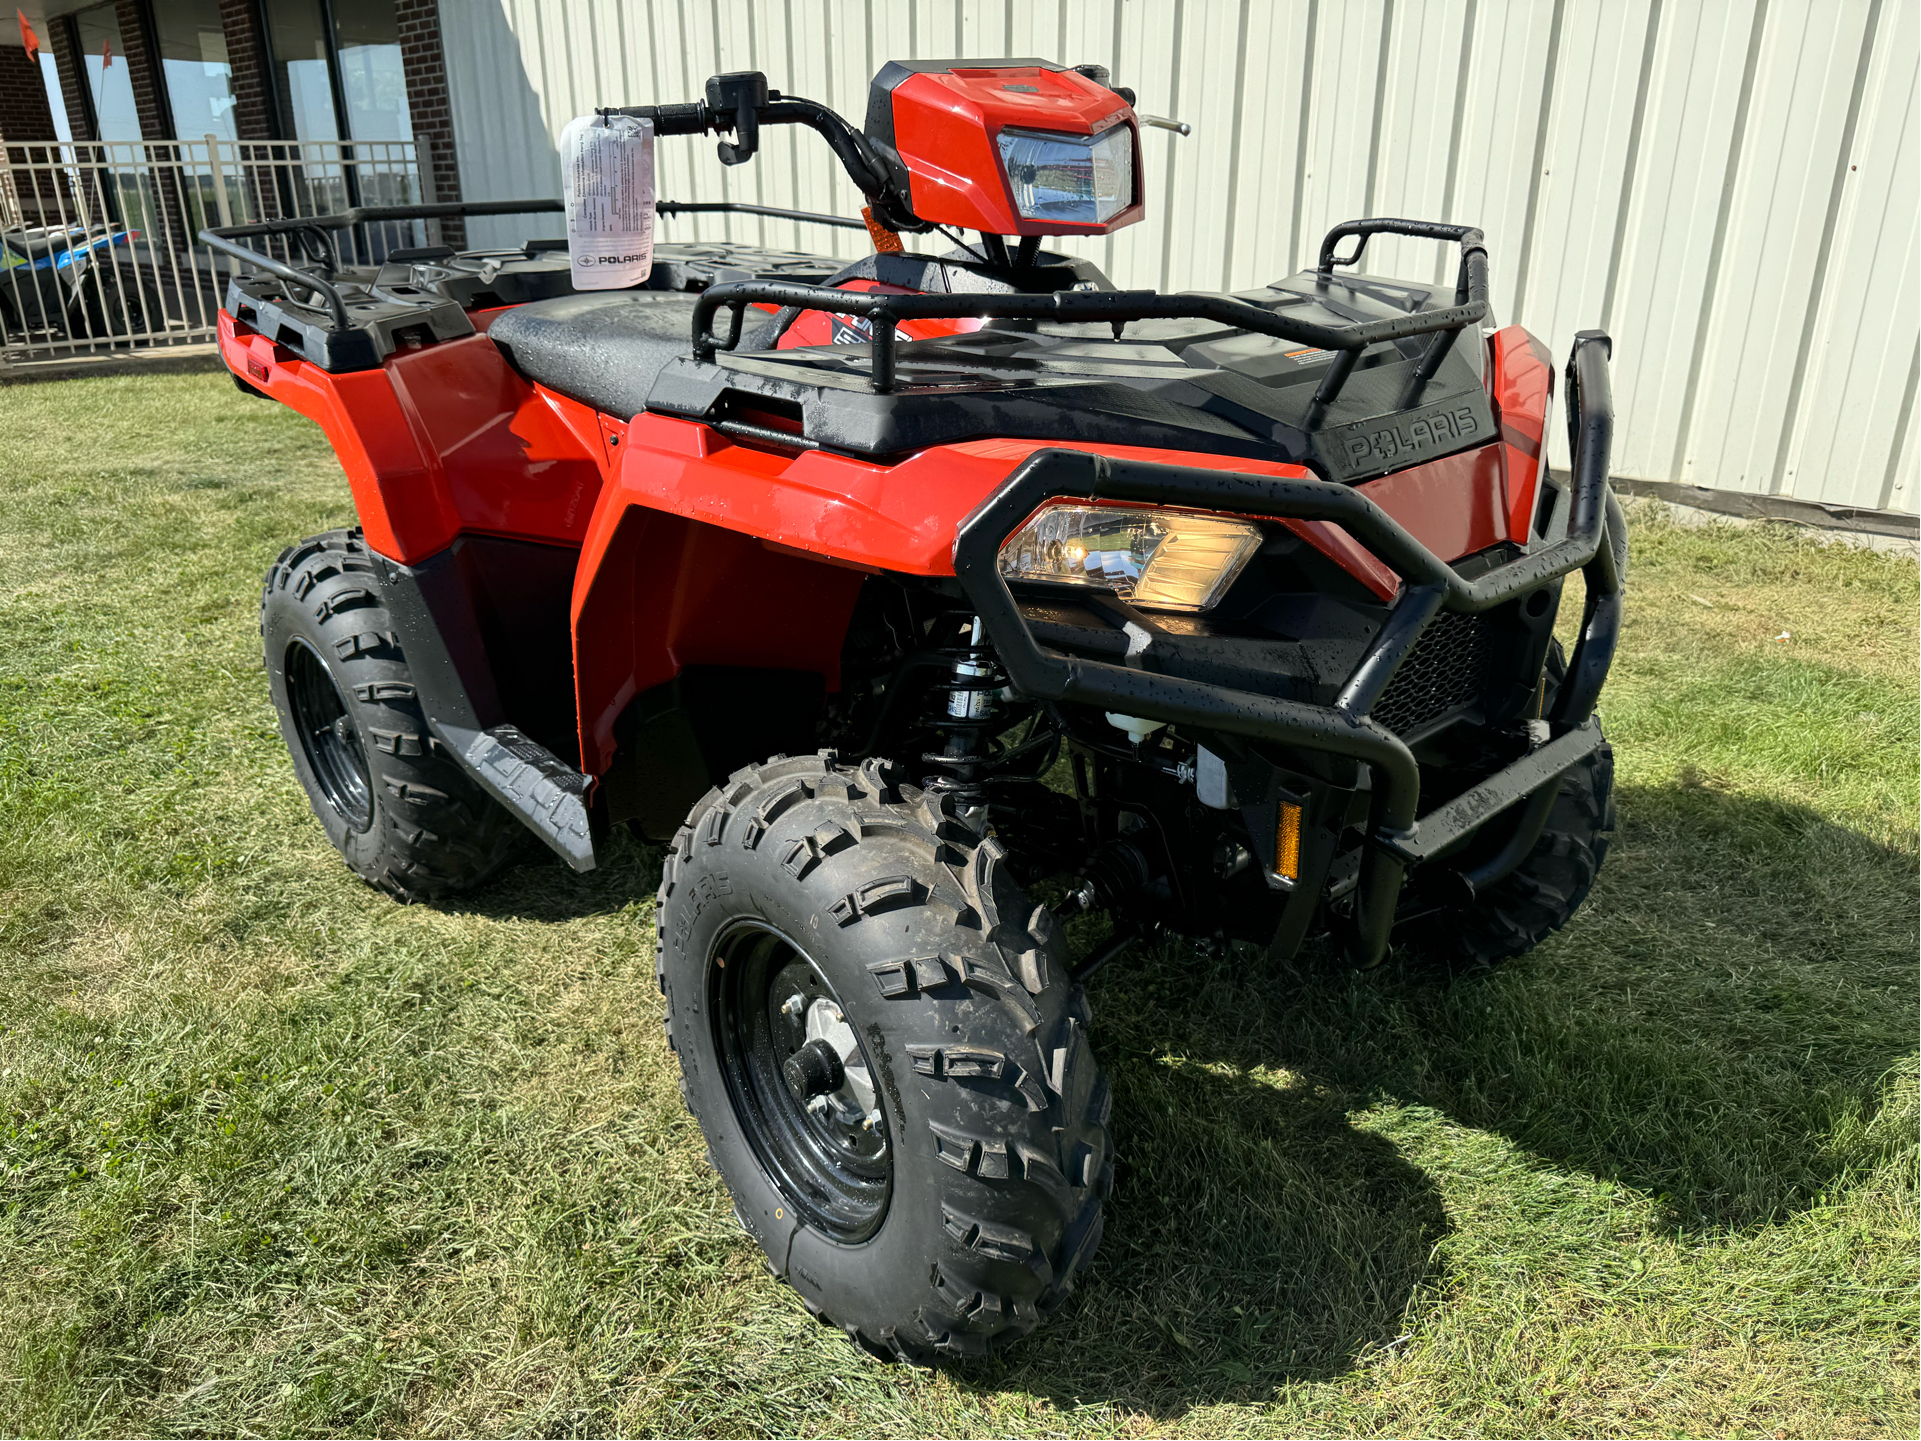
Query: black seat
[[600, 348], [48, 242]]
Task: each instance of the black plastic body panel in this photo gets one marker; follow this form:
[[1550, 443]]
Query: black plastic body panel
[[484, 626], [677, 739], [490, 622]]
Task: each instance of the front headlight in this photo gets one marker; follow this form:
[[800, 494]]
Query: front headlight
[[1162, 559], [1073, 179]]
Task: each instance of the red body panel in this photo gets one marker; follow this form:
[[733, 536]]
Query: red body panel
[[440, 440], [700, 551], [947, 129], [1521, 385], [899, 517], [656, 593]]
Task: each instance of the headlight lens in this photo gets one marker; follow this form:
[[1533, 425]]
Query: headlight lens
[[1163, 559], [1074, 179]]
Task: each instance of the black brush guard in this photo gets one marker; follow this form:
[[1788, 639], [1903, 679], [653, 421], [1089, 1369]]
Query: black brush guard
[[1398, 835]]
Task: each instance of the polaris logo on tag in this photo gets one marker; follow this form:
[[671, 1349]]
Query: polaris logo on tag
[[633, 259], [1411, 436]]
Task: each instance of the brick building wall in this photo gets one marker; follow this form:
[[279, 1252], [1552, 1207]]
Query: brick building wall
[[143, 70], [430, 108], [156, 119], [23, 96], [35, 196], [247, 54], [66, 61]]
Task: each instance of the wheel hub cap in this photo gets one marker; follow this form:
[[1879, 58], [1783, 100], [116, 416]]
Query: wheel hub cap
[[853, 1097], [799, 1081]]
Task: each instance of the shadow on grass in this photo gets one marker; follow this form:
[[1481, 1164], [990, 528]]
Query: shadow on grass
[[1705, 1033], [1256, 1237], [538, 886]]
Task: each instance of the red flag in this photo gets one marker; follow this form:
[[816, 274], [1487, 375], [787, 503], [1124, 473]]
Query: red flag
[[27, 37], [106, 55]]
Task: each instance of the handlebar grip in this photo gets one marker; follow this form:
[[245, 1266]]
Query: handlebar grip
[[689, 119]]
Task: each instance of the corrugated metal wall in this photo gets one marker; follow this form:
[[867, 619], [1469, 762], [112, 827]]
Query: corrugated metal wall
[[1731, 188]]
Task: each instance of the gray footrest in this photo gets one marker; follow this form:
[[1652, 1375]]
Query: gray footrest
[[548, 795]]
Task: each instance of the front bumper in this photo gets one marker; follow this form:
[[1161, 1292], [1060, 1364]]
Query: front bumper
[[1399, 836]]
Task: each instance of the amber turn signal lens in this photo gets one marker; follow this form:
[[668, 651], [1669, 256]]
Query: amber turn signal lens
[[1287, 842]]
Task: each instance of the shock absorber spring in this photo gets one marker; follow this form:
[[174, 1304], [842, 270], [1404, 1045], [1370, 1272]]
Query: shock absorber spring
[[966, 717]]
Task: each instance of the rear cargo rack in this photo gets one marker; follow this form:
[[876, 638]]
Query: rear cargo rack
[[1118, 307], [314, 235]]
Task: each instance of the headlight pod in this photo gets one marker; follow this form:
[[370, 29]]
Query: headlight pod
[[1161, 559], [1072, 179]]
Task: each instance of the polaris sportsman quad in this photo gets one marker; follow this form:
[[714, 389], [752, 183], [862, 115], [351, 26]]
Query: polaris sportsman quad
[[922, 603]]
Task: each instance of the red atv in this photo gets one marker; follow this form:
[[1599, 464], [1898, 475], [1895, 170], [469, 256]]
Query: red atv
[[963, 594]]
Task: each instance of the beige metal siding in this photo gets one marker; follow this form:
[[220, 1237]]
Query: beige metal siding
[[1731, 188]]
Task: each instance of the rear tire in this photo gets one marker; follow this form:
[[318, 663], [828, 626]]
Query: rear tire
[[396, 806], [960, 1219]]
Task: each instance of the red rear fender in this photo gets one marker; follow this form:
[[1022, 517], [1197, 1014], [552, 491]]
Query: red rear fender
[[440, 440]]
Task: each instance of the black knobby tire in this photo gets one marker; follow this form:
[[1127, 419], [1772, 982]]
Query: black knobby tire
[[993, 1110], [401, 811], [119, 302], [1523, 908]]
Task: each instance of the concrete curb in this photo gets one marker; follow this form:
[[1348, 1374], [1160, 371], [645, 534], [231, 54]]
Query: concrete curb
[[1741, 505], [173, 360]]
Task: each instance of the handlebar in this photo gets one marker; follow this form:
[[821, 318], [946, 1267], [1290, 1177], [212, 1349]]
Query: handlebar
[[739, 103]]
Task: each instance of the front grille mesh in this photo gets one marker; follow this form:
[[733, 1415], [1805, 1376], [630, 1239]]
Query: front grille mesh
[[1447, 668]]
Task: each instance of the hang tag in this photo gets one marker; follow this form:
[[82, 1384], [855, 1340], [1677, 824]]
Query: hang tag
[[607, 184]]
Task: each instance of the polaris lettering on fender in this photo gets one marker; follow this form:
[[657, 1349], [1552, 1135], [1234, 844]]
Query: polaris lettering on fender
[[1368, 447], [1413, 436]]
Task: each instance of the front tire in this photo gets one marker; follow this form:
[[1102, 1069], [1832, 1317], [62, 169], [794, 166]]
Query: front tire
[[1539, 896], [118, 302], [397, 807], [809, 904]]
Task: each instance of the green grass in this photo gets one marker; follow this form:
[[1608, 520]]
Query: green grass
[[280, 1156]]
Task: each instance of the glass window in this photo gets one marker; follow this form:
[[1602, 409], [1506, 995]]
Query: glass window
[[193, 52], [371, 74], [300, 70], [114, 116], [56, 97], [365, 48]]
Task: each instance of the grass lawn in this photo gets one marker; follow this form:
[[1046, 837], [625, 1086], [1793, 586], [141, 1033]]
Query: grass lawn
[[279, 1155]]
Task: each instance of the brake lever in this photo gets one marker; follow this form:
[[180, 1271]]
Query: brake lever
[[741, 94]]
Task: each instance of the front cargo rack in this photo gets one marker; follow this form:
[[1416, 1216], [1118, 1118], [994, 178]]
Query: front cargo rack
[[1118, 307]]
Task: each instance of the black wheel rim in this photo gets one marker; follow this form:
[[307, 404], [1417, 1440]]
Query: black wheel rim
[[328, 737], [834, 1161]]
